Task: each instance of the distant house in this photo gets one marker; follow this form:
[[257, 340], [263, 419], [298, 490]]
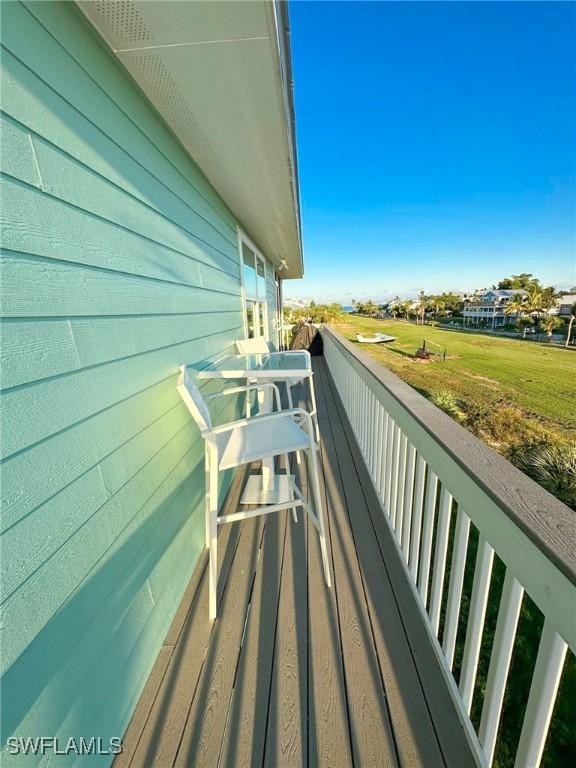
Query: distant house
[[566, 303], [489, 308]]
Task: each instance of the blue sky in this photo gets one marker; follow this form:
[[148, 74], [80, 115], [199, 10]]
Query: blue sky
[[436, 145]]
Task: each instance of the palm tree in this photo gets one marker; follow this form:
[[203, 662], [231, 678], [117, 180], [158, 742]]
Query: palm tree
[[371, 308], [571, 323], [517, 306], [421, 309], [437, 305], [550, 324], [535, 302]]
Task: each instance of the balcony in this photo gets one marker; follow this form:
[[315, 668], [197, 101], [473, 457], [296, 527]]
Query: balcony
[[294, 674]]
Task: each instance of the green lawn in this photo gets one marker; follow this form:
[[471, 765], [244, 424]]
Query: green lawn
[[518, 381]]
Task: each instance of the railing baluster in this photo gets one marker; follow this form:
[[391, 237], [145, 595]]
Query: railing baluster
[[427, 530], [373, 431], [474, 630], [389, 462], [399, 516], [368, 426], [501, 655], [408, 496], [440, 557], [364, 421], [356, 405], [456, 581], [365, 408], [386, 455], [417, 517], [395, 463], [378, 430], [545, 682]]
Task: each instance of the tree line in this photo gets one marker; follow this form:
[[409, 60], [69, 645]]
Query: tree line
[[530, 306]]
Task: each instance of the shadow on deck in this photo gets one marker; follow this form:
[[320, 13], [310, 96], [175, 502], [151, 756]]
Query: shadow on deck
[[291, 673]]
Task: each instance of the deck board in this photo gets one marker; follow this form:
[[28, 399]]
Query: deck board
[[246, 730], [291, 673], [413, 730]]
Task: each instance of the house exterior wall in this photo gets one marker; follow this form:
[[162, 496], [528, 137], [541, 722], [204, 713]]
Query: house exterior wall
[[566, 304], [120, 263], [493, 315]]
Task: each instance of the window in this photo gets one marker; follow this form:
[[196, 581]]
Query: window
[[254, 284]]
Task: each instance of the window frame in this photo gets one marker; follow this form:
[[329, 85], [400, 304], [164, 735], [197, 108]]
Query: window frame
[[256, 299]]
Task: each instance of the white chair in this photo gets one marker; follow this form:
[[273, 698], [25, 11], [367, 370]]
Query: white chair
[[242, 442], [259, 346]]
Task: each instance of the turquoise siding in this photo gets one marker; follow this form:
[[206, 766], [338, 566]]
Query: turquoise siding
[[119, 263]]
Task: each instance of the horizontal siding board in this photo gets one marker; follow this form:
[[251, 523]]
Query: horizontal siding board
[[38, 410], [44, 530], [127, 484], [104, 68], [25, 613], [38, 224], [43, 53], [67, 180], [55, 121], [171, 538], [119, 467], [29, 349], [17, 154], [77, 631], [38, 349], [102, 339], [34, 287], [33, 476]]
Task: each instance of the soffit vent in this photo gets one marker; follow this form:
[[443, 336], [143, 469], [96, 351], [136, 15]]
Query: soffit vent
[[151, 72], [155, 79], [124, 19]]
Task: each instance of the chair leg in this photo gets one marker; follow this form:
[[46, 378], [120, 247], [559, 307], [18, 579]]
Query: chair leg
[[207, 495], [291, 405], [213, 532], [314, 409], [287, 468], [319, 512]]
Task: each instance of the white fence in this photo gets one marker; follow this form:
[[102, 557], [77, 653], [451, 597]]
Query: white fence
[[426, 468]]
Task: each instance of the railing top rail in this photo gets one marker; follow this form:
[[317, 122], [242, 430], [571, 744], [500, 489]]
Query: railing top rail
[[546, 521]]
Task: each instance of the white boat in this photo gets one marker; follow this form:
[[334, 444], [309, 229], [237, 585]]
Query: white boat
[[378, 338]]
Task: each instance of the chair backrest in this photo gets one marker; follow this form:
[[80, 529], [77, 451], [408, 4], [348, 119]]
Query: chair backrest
[[195, 403], [257, 346]]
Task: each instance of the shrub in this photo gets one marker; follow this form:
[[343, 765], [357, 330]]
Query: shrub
[[553, 466], [447, 402], [497, 422]]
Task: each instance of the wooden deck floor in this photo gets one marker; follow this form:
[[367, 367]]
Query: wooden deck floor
[[291, 673]]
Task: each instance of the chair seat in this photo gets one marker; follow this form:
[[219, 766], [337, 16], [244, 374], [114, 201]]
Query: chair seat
[[253, 440]]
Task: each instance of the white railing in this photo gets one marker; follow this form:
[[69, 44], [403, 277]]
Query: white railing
[[426, 468]]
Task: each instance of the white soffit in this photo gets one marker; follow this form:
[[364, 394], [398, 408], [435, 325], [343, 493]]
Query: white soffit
[[215, 72]]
